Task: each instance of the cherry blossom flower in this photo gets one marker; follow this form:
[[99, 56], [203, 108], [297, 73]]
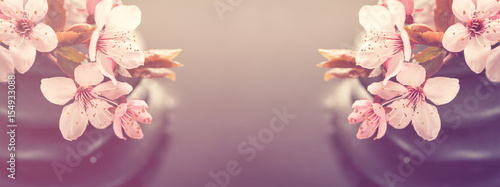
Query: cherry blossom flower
[[387, 42], [477, 35], [112, 42], [372, 115], [493, 65], [6, 65], [409, 99], [91, 99], [408, 4], [91, 4], [23, 32], [127, 116]]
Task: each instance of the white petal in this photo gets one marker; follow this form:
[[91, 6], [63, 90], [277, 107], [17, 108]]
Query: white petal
[[58, 90], [88, 74], [73, 121], [463, 9], [456, 38], [124, 18], [388, 91], [117, 127], [12, 8], [493, 65], [487, 8], [99, 115], [93, 45], [43, 38], [126, 53], [6, 64], [394, 66], [441, 90], [106, 66], [476, 54], [373, 54], [427, 122], [101, 13], [411, 74], [112, 91], [375, 18], [23, 54], [400, 115], [36, 9], [397, 10]]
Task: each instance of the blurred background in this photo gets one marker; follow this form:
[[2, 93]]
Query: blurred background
[[242, 60]]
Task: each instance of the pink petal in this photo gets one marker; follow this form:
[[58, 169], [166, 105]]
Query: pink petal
[[91, 4], [427, 122], [106, 66], [23, 54], [487, 8], [366, 130], [127, 54], [406, 45], [137, 104], [111, 91], [357, 115], [124, 18], [441, 90], [7, 32], [36, 10], [99, 115], [398, 14], [456, 38], [382, 128], [476, 54], [400, 115], [493, 65], [117, 127], [371, 55], [411, 74], [143, 116], [394, 66], [6, 65], [378, 110], [58, 90], [101, 13], [43, 38], [133, 130], [73, 121], [463, 9], [12, 8], [375, 18], [388, 91], [88, 74], [409, 6], [491, 31], [93, 45]]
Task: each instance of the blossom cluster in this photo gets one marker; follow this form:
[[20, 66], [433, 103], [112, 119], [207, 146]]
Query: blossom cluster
[[444, 28], [104, 29]]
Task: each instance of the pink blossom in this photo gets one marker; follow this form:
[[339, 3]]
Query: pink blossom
[[477, 35], [409, 99], [112, 42], [127, 116], [91, 4], [91, 99], [493, 65], [6, 65], [387, 42], [408, 4], [23, 32], [372, 115]]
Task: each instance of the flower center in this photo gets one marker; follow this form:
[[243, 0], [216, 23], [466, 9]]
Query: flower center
[[84, 96], [476, 27], [415, 97], [24, 27]]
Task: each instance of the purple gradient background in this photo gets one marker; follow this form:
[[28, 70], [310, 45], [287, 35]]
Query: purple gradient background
[[261, 56]]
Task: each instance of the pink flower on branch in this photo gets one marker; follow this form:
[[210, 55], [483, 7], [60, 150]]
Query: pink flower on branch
[[477, 35], [23, 32], [408, 99], [387, 42], [128, 116], [372, 116], [112, 42], [91, 99]]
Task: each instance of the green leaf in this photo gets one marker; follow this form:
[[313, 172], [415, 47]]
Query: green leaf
[[71, 54], [443, 15], [428, 54], [56, 15], [433, 65]]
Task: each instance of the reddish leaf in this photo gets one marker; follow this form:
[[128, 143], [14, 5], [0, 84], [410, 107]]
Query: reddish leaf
[[74, 35], [423, 34], [56, 15], [338, 58], [443, 15], [433, 65], [428, 54], [347, 73], [161, 58], [153, 73]]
